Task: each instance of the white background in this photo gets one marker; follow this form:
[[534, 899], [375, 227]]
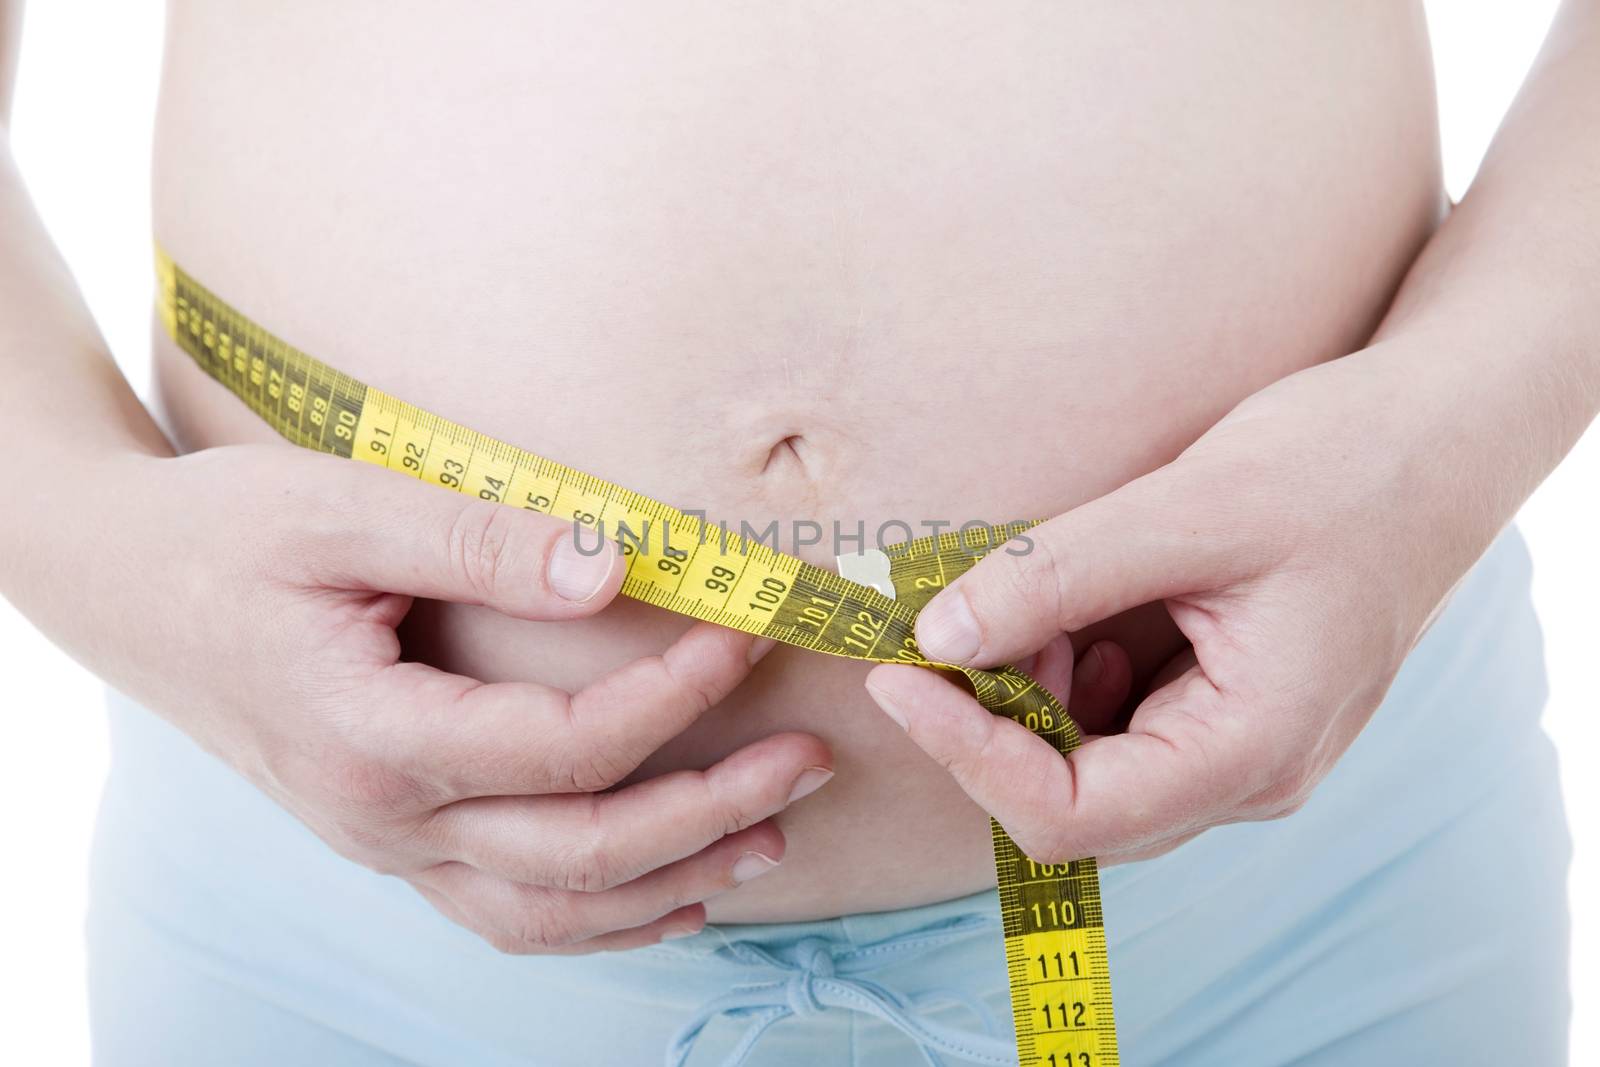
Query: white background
[[81, 126]]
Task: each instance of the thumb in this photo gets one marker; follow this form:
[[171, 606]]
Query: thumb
[[390, 534], [1156, 537]]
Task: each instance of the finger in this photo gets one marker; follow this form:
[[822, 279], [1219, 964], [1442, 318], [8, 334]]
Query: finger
[[586, 842], [542, 919], [1101, 681], [1185, 763], [1051, 667], [681, 923], [1092, 688], [395, 535], [1142, 543], [465, 738], [628, 714], [1176, 667]]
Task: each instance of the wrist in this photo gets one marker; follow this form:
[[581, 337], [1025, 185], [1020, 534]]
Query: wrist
[[1460, 433], [1501, 403], [1515, 307], [74, 513]]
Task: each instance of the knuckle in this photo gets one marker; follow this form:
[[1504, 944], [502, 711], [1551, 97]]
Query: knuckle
[[1291, 805], [1047, 843], [481, 547], [1274, 775], [1052, 583], [379, 860], [542, 926], [595, 865], [697, 691], [1282, 787], [587, 772], [366, 786], [507, 944], [1029, 585], [724, 814], [1017, 579], [967, 750], [1286, 794], [365, 844], [590, 870], [1049, 839], [736, 817], [584, 761]]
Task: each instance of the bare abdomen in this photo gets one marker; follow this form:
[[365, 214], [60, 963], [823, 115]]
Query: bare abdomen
[[930, 263]]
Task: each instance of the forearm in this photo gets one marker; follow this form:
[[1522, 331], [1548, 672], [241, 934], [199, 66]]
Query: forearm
[[1497, 326], [10, 38], [64, 396], [67, 413]]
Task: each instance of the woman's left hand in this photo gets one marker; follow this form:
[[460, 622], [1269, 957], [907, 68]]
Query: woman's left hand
[[1302, 545]]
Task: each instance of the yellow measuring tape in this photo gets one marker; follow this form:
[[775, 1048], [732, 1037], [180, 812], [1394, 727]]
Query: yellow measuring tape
[[1054, 931]]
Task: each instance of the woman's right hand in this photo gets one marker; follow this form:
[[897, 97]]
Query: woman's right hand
[[250, 595]]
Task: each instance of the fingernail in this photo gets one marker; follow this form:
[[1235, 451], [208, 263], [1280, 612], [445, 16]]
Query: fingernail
[[947, 630], [810, 780], [891, 707], [578, 576], [1090, 668], [678, 932], [759, 648], [751, 865]]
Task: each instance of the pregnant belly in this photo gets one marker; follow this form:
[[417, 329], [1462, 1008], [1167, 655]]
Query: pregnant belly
[[961, 271]]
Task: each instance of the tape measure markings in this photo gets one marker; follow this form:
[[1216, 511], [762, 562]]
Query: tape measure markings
[[1051, 914]]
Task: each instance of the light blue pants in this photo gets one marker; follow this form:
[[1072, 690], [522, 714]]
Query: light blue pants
[[1414, 912]]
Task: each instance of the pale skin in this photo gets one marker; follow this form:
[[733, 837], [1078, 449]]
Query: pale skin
[[1304, 544], [559, 771]]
